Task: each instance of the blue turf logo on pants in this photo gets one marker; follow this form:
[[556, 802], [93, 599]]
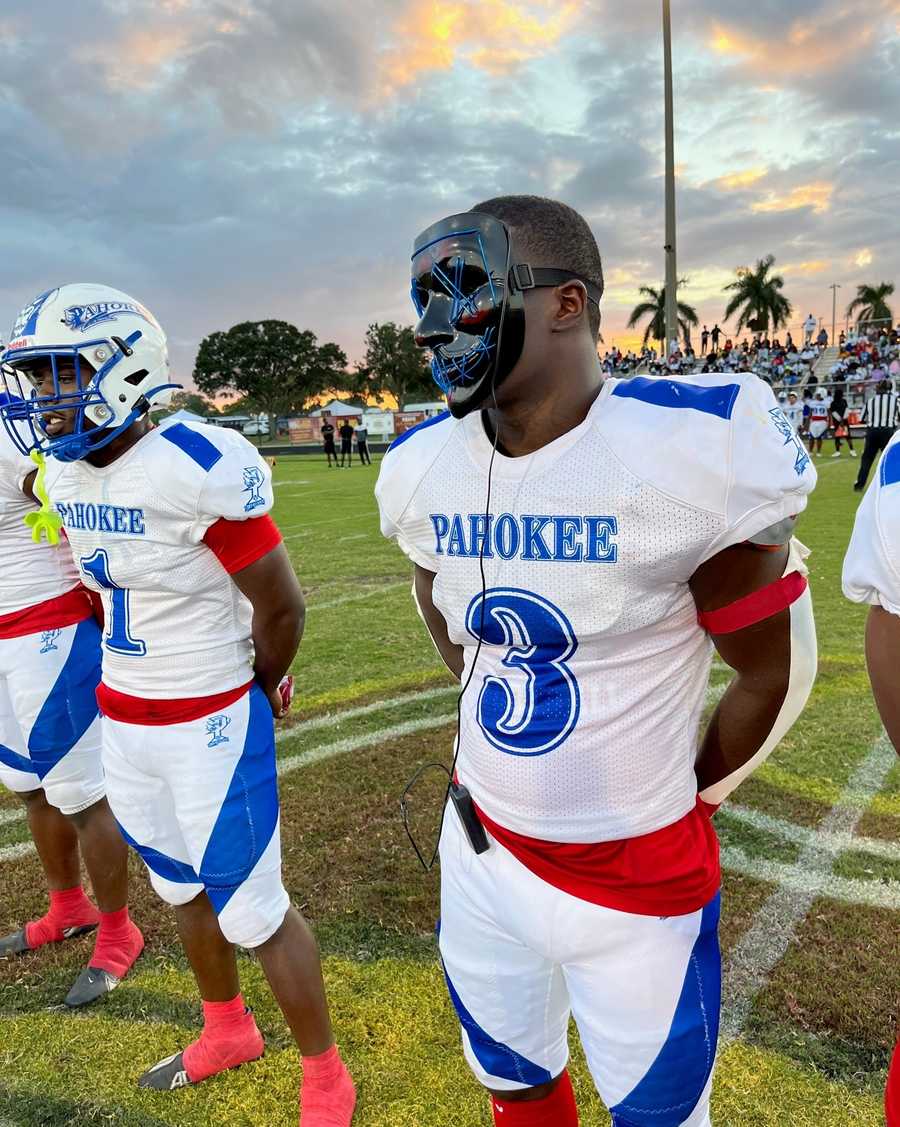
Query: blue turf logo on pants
[[48, 641], [215, 726]]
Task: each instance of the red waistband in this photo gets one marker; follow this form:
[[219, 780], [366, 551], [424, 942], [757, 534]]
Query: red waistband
[[140, 710], [670, 872], [64, 610]]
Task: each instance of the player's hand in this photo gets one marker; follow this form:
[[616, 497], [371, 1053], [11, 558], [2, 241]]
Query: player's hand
[[280, 698]]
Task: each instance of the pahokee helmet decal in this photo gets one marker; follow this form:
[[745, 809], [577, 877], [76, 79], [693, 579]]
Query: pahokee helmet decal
[[465, 288], [103, 354]]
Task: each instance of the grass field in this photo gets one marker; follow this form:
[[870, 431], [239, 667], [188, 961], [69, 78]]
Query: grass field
[[811, 892]]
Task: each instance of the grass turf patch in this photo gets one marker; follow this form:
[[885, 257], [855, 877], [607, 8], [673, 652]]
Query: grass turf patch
[[814, 1061], [839, 977]]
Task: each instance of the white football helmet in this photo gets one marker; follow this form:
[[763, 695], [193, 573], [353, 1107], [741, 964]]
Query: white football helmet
[[120, 359]]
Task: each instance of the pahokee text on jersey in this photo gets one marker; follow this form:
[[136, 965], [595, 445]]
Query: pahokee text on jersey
[[176, 625]]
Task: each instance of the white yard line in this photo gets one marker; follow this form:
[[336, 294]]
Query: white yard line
[[361, 595], [331, 719], [14, 852], [833, 843], [292, 763], [307, 527], [795, 882], [360, 743], [279, 484], [356, 536], [767, 939], [326, 720]]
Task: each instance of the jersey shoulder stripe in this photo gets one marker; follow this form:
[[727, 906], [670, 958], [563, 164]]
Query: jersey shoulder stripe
[[718, 401], [890, 466], [198, 448], [418, 427]]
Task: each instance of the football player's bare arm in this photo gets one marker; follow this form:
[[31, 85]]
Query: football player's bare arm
[[278, 617], [774, 659], [451, 654], [28, 486], [882, 658]]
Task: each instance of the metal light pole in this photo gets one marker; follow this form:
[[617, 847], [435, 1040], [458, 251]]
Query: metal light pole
[[670, 247], [834, 287]]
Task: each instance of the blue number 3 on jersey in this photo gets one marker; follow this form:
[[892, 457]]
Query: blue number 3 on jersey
[[535, 709]]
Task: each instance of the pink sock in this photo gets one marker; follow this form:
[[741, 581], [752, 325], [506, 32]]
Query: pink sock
[[69, 908], [119, 942], [328, 1096], [230, 1037]]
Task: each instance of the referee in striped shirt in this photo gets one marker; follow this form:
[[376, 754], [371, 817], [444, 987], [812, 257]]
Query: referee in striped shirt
[[881, 416]]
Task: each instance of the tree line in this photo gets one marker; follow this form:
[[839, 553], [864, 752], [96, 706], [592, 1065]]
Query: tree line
[[273, 367], [757, 300]]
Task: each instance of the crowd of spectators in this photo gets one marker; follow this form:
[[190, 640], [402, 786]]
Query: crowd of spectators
[[865, 358]]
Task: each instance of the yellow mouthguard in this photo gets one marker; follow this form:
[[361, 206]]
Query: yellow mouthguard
[[46, 521]]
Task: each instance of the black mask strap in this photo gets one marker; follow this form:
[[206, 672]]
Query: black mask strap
[[526, 277]]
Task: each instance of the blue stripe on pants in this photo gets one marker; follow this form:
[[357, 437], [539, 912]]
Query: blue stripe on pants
[[669, 1091], [249, 814]]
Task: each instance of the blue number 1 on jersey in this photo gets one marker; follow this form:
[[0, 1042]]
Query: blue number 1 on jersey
[[118, 634], [538, 716]]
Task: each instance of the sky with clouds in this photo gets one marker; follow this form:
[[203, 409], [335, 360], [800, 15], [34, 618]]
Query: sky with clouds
[[224, 160]]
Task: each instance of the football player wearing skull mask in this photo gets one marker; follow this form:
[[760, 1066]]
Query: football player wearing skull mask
[[203, 616], [580, 547]]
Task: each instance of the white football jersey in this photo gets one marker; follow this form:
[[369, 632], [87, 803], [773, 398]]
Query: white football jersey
[[793, 412], [176, 626], [581, 721], [29, 573], [872, 564]]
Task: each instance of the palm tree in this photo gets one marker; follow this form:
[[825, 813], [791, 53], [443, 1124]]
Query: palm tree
[[655, 309], [758, 296], [871, 301]]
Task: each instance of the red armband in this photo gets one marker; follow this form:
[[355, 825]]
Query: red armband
[[239, 543], [755, 607]]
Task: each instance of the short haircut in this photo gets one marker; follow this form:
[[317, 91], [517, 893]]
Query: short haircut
[[552, 234]]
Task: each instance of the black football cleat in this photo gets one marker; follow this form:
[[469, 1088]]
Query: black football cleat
[[90, 986], [166, 1076], [17, 944]]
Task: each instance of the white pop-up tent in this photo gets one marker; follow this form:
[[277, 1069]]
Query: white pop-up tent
[[337, 410], [183, 416]]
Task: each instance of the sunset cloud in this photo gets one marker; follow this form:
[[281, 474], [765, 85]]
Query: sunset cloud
[[734, 181], [273, 158], [816, 196], [805, 269], [491, 35]]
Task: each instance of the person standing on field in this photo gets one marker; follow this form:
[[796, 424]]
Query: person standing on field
[[346, 433], [580, 546], [203, 615], [362, 444], [870, 576], [328, 442], [881, 416], [840, 412]]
